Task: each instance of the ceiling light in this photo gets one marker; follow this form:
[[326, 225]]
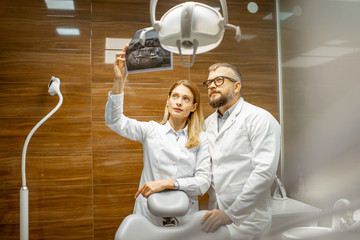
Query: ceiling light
[[252, 7], [283, 16], [68, 31], [247, 37], [60, 4], [305, 62], [217, 8], [337, 42], [114, 46], [110, 56], [268, 17], [329, 52], [116, 43]]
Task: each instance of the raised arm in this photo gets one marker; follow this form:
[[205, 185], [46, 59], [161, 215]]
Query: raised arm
[[120, 73], [114, 117]]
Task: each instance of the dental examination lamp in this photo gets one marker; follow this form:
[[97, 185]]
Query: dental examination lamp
[[54, 88], [190, 28]]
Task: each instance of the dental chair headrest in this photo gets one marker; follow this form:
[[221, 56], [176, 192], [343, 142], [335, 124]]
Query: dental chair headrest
[[168, 204]]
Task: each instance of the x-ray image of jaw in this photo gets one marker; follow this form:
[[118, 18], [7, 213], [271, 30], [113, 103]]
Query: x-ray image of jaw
[[148, 57]]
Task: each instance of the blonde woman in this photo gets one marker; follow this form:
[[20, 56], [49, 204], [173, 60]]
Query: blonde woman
[[175, 151]]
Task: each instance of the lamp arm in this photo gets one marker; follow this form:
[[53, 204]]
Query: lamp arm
[[24, 192], [23, 172], [153, 4], [224, 11], [237, 31]]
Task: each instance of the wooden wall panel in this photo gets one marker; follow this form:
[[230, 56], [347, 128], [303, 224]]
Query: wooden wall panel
[[139, 99], [106, 228], [60, 202], [9, 205], [103, 138], [42, 33], [10, 231], [39, 65], [48, 203], [59, 168], [53, 168], [39, 10], [10, 171], [116, 200], [111, 167], [82, 176], [33, 100], [58, 230], [57, 134]]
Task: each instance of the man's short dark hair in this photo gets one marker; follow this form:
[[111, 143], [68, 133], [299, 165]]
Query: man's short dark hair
[[236, 71]]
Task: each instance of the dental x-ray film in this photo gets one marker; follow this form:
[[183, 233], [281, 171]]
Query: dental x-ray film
[[150, 57]]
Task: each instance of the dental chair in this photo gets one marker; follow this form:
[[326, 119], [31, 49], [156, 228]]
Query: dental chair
[[168, 205]]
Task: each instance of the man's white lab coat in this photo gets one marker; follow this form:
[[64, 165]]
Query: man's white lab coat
[[245, 154]]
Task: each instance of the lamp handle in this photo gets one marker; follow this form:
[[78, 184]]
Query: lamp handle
[[195, 46], [237, 31]]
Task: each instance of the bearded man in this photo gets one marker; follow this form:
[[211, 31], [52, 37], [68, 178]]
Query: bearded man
[[244, 144]]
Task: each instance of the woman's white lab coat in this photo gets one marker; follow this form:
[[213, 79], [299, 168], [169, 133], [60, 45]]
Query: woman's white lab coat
[[165, 156], [245, 156]]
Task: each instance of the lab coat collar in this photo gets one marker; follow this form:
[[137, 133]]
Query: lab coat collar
[[229, 111], [168, 129], [231, 119]]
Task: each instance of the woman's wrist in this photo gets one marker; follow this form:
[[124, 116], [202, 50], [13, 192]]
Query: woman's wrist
[[118, 86]]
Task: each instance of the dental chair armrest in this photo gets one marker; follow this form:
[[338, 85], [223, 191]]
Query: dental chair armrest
[[169, 203]]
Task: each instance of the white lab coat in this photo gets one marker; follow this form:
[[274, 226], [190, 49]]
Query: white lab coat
[[245, 156], [165, 156]]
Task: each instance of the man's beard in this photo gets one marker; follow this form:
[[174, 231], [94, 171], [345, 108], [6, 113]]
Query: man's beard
[[223, 100]]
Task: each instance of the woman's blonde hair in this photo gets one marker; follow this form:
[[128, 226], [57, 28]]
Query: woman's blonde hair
[[195, 120]]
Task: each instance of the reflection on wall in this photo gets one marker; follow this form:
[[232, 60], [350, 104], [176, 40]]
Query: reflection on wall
[[320, 68]]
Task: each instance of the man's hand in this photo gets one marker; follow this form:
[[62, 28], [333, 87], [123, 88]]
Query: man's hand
[[155, 186], [212, 220]]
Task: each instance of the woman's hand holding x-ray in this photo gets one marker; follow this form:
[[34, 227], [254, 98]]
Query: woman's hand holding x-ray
[[119, 72], [155, 186]]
